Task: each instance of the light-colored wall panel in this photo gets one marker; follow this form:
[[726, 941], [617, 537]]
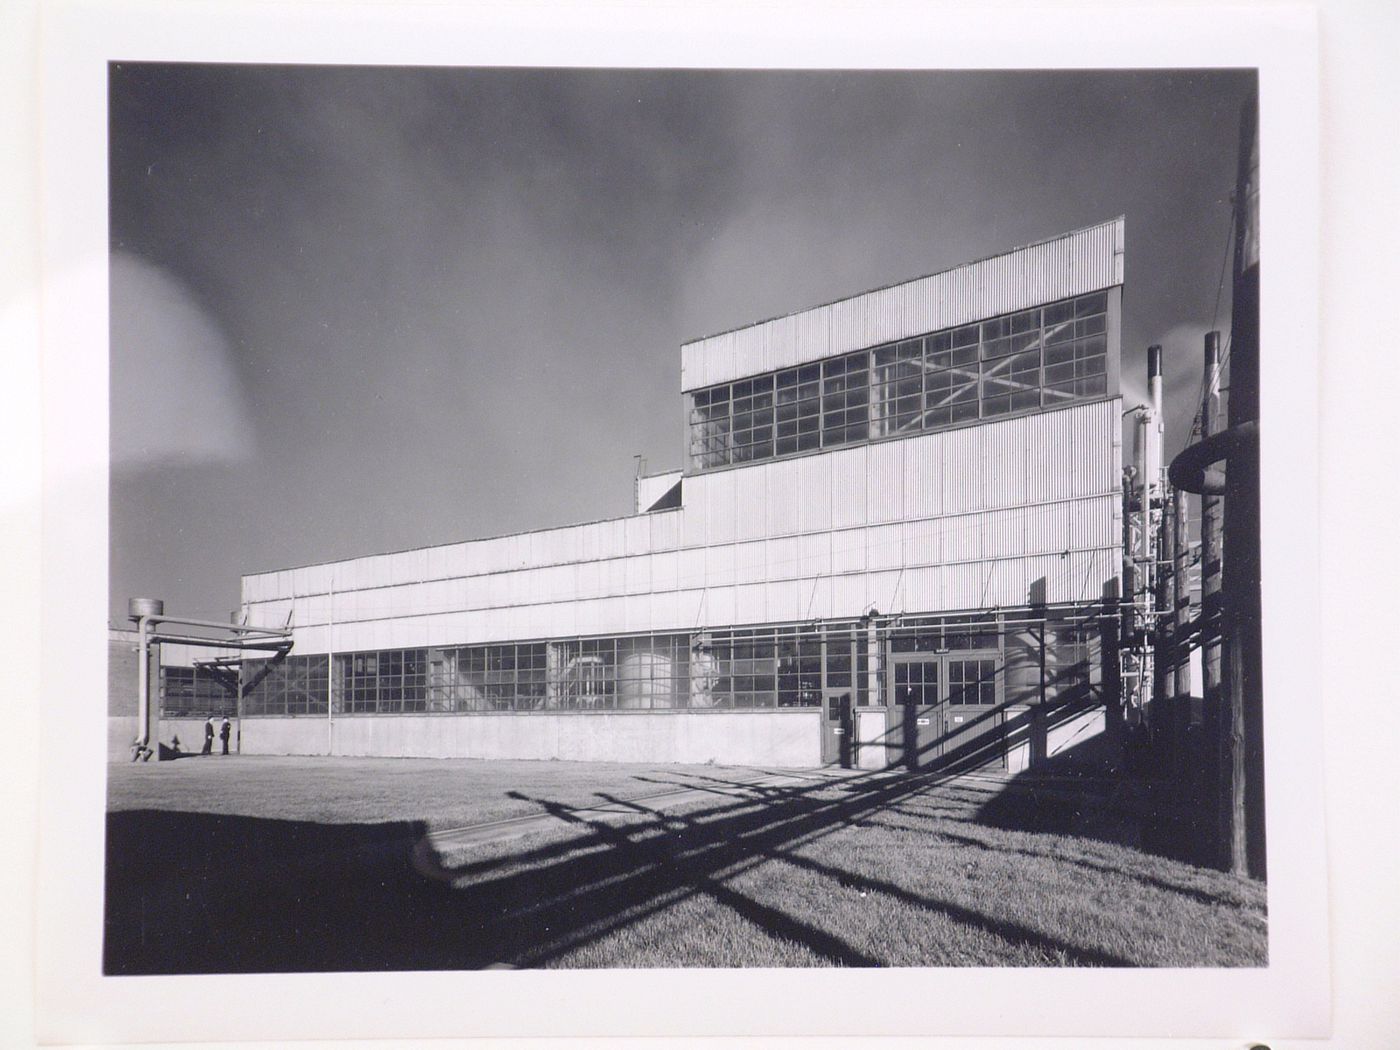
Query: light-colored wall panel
[[885, 481], [782, 558], [884, 546], [848, 551], [814, 492], [751, 496], [849, 468], [1071, 264], [781, 499]]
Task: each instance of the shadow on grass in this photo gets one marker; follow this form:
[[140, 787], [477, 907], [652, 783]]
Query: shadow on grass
[[202, 893]]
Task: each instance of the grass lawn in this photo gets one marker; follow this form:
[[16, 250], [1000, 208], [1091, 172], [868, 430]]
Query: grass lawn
[[273, 865]]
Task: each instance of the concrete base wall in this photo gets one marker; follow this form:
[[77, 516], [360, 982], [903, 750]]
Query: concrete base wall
[[779, 738], [121, 733], [191, 734]]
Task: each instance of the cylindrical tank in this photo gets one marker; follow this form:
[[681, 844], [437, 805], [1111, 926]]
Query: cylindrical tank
[[139, 607], [645, 681]]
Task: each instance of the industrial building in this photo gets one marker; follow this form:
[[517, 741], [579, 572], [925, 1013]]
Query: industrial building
[[897, 541]]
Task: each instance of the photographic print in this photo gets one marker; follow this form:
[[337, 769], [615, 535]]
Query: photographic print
[[726, 518]]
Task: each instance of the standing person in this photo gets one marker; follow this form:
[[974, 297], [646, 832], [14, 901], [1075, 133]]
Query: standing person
[[224, 730], [208, 736]]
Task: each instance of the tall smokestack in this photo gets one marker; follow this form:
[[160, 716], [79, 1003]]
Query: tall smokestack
[[1155, 426]]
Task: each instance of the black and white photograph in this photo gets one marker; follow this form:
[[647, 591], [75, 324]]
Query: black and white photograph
[[908, 619], [638, 520]]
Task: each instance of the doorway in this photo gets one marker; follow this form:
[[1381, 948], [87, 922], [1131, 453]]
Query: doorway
[[945, 709], [838, 728]]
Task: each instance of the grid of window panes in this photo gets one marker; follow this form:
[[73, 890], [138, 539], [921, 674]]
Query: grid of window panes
[[972, 682], [390, 681], [295, 685], [506, 677], [938, 634], [190, 692], [778, 667], [1033, 359], [1067, 659]]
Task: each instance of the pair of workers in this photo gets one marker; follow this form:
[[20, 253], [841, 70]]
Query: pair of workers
[[225, 729]]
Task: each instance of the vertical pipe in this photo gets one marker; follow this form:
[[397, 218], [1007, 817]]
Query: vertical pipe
[[1212, 722], [1240, 584], [143, 683], [330, 666], [1155, 428], [1164, 700], [1180, 621]]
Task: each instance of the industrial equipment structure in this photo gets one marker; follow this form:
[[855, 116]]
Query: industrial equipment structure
[[898, 540]]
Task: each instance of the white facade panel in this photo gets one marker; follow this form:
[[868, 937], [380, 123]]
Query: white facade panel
[[665, 530], [962, 470], [847, 596], [719, 607], [750, 562], [885, 481], [814, 554], [923, 476], [665, 572], [882, 589], [785, 601], [1047, 528], [636, 535], [848, 551], [814, 493], [781, 500], [920, 588], [750, 605], [719, 566], [960, 538], [751, 502], [1004, 533], [719, 508], [922, 543], [849, 468], [782, 558], [1073, 264]]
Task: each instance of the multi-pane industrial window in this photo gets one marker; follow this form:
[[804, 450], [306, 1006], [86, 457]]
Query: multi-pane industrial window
[[750, 668], [296, 685], [390, 681], [934, 634], [778, 667], [192, 692], [1039, 358], [972, 682]]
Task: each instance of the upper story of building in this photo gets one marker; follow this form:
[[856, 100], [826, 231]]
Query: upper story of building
[[1032, 329], [946, 444]]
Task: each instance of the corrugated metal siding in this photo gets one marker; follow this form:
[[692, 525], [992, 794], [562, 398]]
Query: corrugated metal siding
[[849, 469], [968, 499], [885, 481], [1076, 263], [751, 502]]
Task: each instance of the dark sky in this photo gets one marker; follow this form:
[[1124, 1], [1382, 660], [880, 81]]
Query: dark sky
[[366, 309]]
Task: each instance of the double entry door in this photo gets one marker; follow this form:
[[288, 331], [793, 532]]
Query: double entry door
[[945, 708]]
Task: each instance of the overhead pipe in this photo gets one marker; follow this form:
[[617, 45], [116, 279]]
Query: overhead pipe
[[229, 643], [239, 628], [1191, 469]]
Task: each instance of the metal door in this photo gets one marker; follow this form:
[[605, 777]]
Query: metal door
[[915, 686], [838, 728], [971, 716], [944, 709]]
